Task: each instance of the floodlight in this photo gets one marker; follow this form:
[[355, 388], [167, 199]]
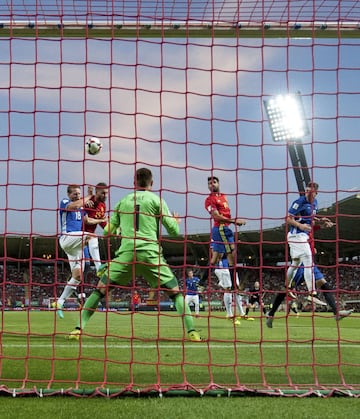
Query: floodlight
[[286, 117], [287, 123]]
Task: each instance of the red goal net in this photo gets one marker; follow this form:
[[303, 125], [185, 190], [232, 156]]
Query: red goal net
[[181, 88]]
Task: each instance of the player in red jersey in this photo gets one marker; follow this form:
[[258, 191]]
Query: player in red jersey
[[135, 301], [216, 204], [222, 238], [96, 208]]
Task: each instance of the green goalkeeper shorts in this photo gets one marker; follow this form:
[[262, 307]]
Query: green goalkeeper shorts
[[148, 264]]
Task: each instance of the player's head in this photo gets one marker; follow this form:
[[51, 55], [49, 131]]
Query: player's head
[[101, 192], [143, 178], [74, 192], [311, 191], [312, 186], [190, 272], [213, 184], [257, 285]]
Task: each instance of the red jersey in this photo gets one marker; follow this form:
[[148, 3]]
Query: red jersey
[[97, 211], [136, 299], [219, 202]]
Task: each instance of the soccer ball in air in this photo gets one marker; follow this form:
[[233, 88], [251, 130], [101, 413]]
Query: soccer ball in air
[[93, 146]]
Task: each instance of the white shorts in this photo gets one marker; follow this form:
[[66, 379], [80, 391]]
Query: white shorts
[[73, 245], [224, 277], [299, 245], [192, 299]]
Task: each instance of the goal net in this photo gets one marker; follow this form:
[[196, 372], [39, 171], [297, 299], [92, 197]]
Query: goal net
[[182, 88]]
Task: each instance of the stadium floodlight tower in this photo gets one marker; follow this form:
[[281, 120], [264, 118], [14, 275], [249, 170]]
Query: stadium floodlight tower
[[287, 123]]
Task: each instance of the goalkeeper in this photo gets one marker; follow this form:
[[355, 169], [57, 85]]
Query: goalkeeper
[[138, 216]]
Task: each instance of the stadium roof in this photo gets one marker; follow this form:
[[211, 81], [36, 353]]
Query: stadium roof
[[267, 246]]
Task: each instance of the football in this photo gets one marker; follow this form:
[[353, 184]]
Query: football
[[93, 146]]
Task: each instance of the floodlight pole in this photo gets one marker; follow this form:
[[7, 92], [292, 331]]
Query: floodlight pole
[[301, 170]]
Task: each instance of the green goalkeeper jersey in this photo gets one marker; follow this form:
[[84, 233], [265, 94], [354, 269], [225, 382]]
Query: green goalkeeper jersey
[[139, 216]]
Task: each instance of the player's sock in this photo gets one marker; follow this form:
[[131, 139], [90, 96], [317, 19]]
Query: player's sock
[[234, 277], [290, 275], [239, 305], [228, 304], [329, 297], [279, 298], [182, 309], [89, 308], [309, 274], [93, 245], [70, 287], [86, 271], [247, 311], [294, 310]]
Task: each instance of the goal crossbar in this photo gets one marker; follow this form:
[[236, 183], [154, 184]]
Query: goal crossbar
[[169, 29]]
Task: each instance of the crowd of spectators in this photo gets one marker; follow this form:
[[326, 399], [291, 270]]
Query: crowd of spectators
[[20, 288]]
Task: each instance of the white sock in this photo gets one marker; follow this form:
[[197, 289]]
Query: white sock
[[94, 252], [197, 309], [228, 303], [309, 275], [239, 305], [70, 287], [291, 273]]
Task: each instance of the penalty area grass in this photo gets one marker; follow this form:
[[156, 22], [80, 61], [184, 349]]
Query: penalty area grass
[[148, 350]]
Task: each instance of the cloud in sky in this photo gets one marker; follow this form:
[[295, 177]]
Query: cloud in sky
[[184, 109]]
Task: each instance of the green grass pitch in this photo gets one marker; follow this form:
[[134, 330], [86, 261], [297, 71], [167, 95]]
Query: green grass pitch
[[147, 351]]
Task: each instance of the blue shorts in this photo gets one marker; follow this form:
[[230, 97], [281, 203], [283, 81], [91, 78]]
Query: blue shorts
[[222, 239], [299, 276]]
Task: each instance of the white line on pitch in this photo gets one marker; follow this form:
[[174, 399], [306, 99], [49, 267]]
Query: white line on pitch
[[172, 346]]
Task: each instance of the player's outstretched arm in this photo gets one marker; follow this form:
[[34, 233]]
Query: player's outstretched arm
[[109, 229], [170, 221], [324, 222]]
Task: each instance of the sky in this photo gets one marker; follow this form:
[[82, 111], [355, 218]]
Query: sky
[[186, 108]]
